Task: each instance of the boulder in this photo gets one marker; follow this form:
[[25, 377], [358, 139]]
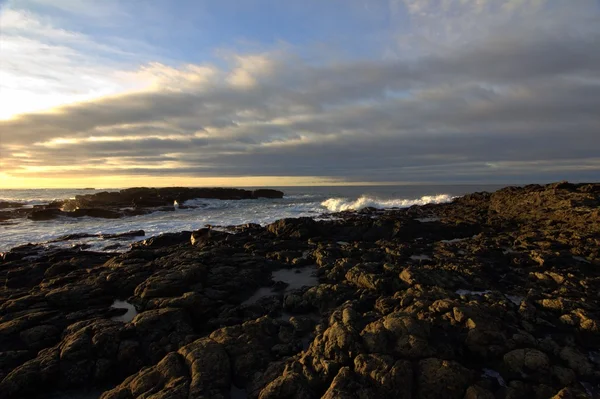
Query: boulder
[[437, 378], [164, 240], [205, 236], [290, 385], [299, 228], [45, 214]]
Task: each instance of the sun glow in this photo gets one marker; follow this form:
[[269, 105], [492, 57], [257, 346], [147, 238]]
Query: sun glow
[[12, 182]]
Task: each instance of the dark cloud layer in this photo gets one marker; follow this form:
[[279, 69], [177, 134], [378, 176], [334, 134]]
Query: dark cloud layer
[[519, 105]]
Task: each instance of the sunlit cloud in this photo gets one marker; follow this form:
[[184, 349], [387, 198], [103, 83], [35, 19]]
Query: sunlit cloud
[[512, 94]]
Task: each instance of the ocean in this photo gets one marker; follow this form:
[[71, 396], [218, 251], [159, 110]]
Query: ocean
[[297, 202]]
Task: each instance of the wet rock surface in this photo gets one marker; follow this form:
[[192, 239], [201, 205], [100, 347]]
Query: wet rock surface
[[490, 296]]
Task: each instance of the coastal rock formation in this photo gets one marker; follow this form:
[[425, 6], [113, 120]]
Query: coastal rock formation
[[128, 202], [494, 295], [143, 197]]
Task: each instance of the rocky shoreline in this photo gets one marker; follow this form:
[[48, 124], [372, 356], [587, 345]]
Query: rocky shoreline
[[490, 296], [128, 202]]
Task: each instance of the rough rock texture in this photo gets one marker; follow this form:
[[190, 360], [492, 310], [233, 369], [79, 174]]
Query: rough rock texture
[[491, 296]]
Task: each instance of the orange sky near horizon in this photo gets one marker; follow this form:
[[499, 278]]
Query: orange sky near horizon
[[10, 182]]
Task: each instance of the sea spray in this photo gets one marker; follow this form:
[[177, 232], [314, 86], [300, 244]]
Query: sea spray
[[344, 204]]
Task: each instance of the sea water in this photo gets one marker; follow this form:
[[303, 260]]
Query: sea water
[[297, 202]]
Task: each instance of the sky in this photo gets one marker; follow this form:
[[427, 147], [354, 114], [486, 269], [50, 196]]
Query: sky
[[254, 92]]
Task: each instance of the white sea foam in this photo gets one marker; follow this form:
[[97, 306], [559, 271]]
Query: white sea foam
[[204, 212], [345, 204]]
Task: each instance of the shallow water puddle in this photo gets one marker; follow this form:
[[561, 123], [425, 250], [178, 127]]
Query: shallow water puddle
[[581, 259], [454, 240], [467, 292], [495, 375], [507, 250], [129, 315], [427, 220], [295, 278], [420, 257], [516, 299], [258, 294]]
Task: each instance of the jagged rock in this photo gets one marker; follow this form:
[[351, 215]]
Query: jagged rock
[[209, 366], [577, 361], [164, 240], [505, 304], [290, 385], [205, 236], [381, 376], [529, 363], [476, 392], [46, 214], [168, 379], [399, 334], [300, 228], [571, 393], [438, 378]]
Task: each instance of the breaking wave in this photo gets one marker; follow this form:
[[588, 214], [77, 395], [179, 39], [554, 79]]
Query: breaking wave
[[345, 204]]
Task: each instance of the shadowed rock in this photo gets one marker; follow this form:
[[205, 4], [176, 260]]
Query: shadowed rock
[[495, 296]]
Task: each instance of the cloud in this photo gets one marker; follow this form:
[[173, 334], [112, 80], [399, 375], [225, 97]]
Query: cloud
[[44, 66], [510, 105]]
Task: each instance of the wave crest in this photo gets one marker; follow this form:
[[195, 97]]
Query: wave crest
[[345, 204]]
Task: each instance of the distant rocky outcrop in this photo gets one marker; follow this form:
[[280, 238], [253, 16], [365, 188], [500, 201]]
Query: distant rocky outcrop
[[128, 202], [142, 197], [494, 295]]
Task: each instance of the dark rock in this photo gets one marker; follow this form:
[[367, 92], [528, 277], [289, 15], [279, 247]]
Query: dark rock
[[438, 378], [127, 235], [45, 214], [207, 236], [164, 240], [159, 197], [505, 305], [300, 228], [267, 193], [8, 204]]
